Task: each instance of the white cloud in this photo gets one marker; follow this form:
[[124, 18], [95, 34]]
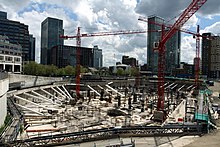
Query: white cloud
[[214, 28], [106, 15], [188, 49], [192, 22]]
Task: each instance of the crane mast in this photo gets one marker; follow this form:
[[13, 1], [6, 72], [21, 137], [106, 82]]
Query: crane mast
[[194, 6], [78, 44], [197, 59]]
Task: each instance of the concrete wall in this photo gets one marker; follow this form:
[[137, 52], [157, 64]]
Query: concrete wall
[[30, 81], [4, 83]]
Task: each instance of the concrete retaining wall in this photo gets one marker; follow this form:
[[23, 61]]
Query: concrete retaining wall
[[3, 99], [30, 81]]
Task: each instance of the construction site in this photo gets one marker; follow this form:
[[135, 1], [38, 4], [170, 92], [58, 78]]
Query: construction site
[[89, 110], [107, 109]]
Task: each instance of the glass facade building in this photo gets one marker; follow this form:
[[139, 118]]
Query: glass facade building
[[51, 29], [129, 61], [32, 48], [172, 54], [63, 55], [97, 57], [17, 33]]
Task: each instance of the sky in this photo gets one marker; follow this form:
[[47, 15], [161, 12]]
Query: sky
[[113, 15]]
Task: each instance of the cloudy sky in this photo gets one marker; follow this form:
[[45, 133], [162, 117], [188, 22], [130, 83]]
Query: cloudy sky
[[113, 15]]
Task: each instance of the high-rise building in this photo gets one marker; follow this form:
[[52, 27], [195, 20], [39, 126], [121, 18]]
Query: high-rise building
[[172, 54], [206, 54], [51, 29], [97, 57], [211, 55], [17, 33], [32, 48], [63, 55], [129, 61]]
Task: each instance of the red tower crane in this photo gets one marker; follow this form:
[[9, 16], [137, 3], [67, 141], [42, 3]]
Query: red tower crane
[[78, 44], [194, 6], [197, 59], [196, 35]]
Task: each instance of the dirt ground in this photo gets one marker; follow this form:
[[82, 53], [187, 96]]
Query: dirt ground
[[213, 138]]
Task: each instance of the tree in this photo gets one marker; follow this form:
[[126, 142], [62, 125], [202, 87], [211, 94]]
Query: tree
[[83, 69], [30, 68], [41, 70], [60, 72], [69, 70], [51, 70], [120, 71], [134, 71]]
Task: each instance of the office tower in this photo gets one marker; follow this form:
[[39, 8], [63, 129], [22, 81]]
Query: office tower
[[172, 54], [97, 57], [129, 61], [51, 29], [17, 33], [63, 55], [206, 52], [32, 47], [211, 55]]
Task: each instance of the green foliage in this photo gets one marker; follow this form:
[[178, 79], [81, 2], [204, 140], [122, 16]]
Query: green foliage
[[60, 72], [7, 122], [33, 68], [120, 71], [51, 70], [41, 70], [69, 70], [83, 69], [134, 71]]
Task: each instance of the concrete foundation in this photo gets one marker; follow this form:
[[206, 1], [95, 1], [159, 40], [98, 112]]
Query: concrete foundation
[[30, 81], [3, 99]]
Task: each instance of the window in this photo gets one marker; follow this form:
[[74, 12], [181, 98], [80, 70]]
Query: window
[[8, 58], [17, 59], [1, 58]]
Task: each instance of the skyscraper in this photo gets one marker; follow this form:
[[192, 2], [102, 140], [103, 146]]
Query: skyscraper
[[32, 48], [172, 54], [97, 57], [17, 33], [51, 29], [211, 55]]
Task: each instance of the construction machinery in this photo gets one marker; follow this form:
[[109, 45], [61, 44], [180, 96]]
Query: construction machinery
[[78, 44], [194, 6]]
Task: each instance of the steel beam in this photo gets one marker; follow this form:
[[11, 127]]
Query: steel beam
[[62, 92], [104, 89], [23, 99], [50, 101], [94, 90], [57, 92], [115, 90], [44, 97], [50, 94], [67, 92], [181, 87], [29, 109]]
